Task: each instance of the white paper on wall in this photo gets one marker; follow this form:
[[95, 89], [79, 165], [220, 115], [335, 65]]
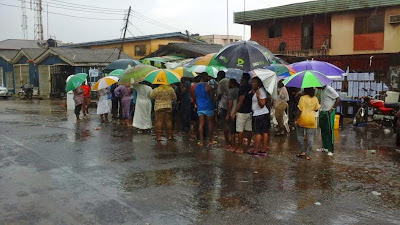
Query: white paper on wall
[[361, 91], [355, 89], [371, 76], [350, 88]]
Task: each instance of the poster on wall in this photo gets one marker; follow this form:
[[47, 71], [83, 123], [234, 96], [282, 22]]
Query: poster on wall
[[93, 73]]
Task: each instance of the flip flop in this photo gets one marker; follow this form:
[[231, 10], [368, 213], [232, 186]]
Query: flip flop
[[301, 154], [262, 153]]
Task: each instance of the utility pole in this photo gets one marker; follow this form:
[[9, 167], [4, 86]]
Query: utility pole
[[126, 27], [227, 19], [24, 24]]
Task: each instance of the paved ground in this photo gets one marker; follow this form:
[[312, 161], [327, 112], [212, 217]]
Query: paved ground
[[56, 171]]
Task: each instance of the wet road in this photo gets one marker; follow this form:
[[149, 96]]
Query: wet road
[[56, 171]]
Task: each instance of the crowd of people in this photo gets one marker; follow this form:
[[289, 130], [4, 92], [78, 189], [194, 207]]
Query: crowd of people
[[243, 110]]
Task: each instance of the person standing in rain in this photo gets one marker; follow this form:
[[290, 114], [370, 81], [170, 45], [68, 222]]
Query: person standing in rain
[[280, 107], [205, 108], [233, 96], [261, 118], [142, 116], [329, 101], [163, 96], [103, 105], [243, 111], [86, 99], [305, 121], [185, 104], [78, 99], [125, 93], [222, 97]]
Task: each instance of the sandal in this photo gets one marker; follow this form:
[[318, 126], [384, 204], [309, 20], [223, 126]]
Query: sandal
[[262, 153], [301, 154], [253, 154], [308, 158]]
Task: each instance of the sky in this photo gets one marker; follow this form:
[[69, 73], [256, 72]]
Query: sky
[[148, 17]]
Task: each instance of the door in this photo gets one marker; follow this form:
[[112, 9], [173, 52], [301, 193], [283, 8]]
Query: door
[[307, 36]]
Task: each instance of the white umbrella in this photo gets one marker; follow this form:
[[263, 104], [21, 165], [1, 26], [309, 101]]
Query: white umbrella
[[269, 80], [105, 82]]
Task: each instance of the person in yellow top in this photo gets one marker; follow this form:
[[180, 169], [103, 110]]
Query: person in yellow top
[[163, 96], [305, 121]]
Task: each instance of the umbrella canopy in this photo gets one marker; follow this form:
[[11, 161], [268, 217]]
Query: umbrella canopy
[[327, 69], [105, 82], [210, 70], [281, 70], [183, 72], [307, 79], [207, 60], [269, 80], [75, 81], [116, 73], [163, 76], [136, 74], [277, 60], [120, 64], [244, 55]]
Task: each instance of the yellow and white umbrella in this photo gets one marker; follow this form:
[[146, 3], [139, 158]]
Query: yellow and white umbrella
[[105, 82]]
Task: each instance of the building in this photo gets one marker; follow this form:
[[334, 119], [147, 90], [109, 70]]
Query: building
[[57, 63], [360, 34], [220, 39], [17, 44], [6, 68], [141, 46], [178, 51]]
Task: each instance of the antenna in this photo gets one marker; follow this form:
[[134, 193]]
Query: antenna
[[24, 24], [38, 20]]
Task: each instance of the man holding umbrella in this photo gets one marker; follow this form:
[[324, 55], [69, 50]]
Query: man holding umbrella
[[329, 101]]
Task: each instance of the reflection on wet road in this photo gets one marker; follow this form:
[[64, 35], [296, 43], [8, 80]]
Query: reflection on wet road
[[56, 171]]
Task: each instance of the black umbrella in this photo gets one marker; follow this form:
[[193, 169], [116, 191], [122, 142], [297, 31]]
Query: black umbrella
[[120, 64], [245, 55]]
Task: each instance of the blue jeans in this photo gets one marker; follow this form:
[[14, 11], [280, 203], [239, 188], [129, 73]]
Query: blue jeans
[[309, 133]]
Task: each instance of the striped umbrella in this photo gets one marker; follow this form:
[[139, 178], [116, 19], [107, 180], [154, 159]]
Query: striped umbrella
[[116, 73], [210, 70], [136, 74], [307, 79], [281, 70], [163, 76], [75, 81], [105, 82], [183, 71]]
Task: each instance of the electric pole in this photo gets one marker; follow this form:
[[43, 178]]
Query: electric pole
[[126, 27]]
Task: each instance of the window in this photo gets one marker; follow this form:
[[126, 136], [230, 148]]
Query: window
[[275, 31], [366, 24], [140, 50]]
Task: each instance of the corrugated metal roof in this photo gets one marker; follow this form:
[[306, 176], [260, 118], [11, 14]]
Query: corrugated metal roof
[[131, 39], [17, 44], [33, 53], [8, 54], [309, 8], [190, 49]]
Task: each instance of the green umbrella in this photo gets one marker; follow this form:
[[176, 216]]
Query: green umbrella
[[210, 70], [136, 74], [307, 79], [75, 81], [116, 73]]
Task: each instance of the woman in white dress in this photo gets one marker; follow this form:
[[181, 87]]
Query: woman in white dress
[[104, 105], [142, 116]]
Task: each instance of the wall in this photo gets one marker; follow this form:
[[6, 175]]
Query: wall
[[343, 38], [7, 68], [151, 46], [21, 75], [44, 80]]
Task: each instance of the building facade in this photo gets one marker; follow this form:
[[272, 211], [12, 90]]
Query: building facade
[[220, 39]]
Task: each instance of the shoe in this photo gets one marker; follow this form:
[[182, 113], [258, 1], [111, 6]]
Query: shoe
[[322, 150], [330, 153]]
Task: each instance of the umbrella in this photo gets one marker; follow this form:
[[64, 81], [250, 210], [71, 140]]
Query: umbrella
[[210, 70], [232, 73], [105, 82], [277, 60], [207, 60], [327, 69], [269, 80], [121, 64], [281, 70], [307, 79], [75, 81], [163, 76], [183, 72], [116, 73], [136, 74], [245, 55]]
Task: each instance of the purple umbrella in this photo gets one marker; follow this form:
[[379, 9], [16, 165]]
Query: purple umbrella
[[327, 69]]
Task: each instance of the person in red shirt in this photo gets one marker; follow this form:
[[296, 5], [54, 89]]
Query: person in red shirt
[[86, 99]]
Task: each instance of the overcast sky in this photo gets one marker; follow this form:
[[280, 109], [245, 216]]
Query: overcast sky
[[203, 17]]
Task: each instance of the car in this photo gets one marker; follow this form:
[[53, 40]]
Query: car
[[4, 92]]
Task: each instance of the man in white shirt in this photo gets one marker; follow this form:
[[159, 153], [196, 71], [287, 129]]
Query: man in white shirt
[[329, 101]]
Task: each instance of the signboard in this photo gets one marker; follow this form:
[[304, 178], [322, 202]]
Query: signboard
[[93, 73]]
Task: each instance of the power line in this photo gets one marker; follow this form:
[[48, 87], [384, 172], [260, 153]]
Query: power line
[[130, 33], [86, 6], [155, 22], [62, 14], [136, 27]]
